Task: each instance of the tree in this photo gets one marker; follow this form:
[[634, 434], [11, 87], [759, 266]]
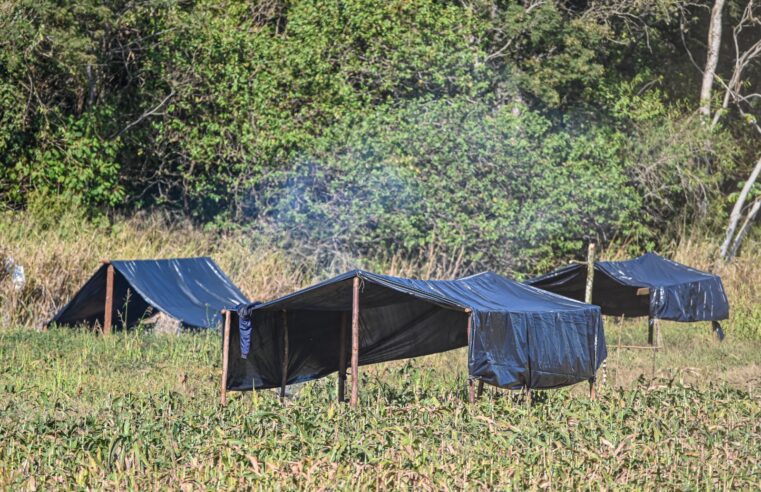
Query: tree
[[731, 242], [712, 58], [744, 57]]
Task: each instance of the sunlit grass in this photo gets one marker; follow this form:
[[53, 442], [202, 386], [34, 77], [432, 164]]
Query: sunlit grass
[[141, 411]]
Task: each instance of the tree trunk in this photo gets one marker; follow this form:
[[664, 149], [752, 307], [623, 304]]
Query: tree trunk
[[714, 43], [734, 217], [745, 228]]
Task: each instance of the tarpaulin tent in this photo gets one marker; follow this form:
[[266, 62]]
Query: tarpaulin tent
[[192, 290], [650, 286], [518, 336]]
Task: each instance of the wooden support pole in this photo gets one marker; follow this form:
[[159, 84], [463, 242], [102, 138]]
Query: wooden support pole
[[225, 357], [109, 307], [342, 356], [655, 350], [618, 353], [590, 273], [718, 333], [651, 330], [284, 379], [637, 347], [355, 343], [588, 300], [658, 341], [471, 389]]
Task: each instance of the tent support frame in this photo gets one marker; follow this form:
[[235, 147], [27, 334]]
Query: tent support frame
[[588, 300], [354, 399], [355, 343], [471, 381], [342, 357], [108, 309], [225, 357], [284, 379], [651, 329]]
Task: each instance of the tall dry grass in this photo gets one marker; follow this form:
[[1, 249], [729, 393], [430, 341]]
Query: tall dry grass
[[59, 248], [57, 260]]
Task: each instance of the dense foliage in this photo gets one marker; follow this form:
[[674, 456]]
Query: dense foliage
[[505, 133]]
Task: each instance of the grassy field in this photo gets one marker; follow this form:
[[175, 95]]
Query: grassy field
[[140, 411]]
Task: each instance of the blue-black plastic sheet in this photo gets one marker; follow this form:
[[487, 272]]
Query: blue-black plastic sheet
[[674, 291], [192, 290], [521, 336]]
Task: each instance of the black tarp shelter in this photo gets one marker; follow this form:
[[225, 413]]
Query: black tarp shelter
[[650, 286], [191, 290], [517, 336]]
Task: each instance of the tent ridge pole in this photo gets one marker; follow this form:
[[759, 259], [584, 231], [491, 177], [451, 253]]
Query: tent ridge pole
[[355, 343], [225, 357], [108, 309], [285, 356]]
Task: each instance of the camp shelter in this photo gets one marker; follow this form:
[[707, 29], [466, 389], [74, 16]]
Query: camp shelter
[[120, 293], [650, 286], [517, 336]]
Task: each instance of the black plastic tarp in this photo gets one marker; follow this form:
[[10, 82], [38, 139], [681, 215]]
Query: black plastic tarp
[[667, 290], [521, 336], [192, 290]]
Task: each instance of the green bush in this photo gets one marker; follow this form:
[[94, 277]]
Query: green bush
[[503, 133], [511, 187]]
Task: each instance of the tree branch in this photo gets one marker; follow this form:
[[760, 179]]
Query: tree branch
[[144, 116], [745, 228]]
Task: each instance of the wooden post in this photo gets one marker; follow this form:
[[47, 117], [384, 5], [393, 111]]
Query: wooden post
[[355, 343], [342, 357], [285, 356], [590, 273], [471, 389], [225, 357], [109, 307], [651, 330], [588, 300], [714, 330], [658, 341], [653, 347], [618, 352]]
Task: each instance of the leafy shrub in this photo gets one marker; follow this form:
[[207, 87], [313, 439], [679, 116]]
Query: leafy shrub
[[510, 187]]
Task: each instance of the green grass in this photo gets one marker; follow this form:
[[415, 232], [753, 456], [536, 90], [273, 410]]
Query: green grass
[[138, 411]]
